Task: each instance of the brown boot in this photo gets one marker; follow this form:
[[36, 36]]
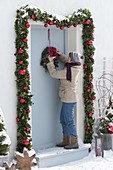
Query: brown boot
[[73, 144], [65, 141]]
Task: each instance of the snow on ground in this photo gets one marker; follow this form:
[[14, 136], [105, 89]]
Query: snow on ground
[[90, 162]]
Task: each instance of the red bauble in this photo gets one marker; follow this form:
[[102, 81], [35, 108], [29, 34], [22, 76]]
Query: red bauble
[[22, 100], [17, 119], [91, 35], [85, 66], [93, 26], [89, 76], [25, 87], [94, 97], [28, 129], [86, 99], [91, 86], [22, 72], [110, 129], [33, 16], [74, 25], [25, 40], [88, 90], [28, 111], [61, 27], [68, 26], [20, 62], [51, 22], [88, 22], [27, 25], [25, 142], [28, 76], [45, 25], [90, 42], [90, 114], [20, 51], [90, 56], [88, 128], [80, 22]]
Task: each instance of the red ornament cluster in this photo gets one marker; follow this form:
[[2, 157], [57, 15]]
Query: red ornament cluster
[[25, 40], [90, 114], [22, 100], [20, 51], [28, 130], [90, 42], [25, 142], [33, 16], [27, 25], [110, 129], [25, 87], [88, 22], [53, 52], [22, 72], [51, 22]]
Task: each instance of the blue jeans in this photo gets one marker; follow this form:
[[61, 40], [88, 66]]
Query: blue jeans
[[67, 119]]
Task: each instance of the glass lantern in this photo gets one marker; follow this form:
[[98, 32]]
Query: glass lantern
[[99, 151]]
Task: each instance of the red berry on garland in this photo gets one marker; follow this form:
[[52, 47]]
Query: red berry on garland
[[86, 99], [68, 26], [91, 85], [25, 40], [90, 42], [85, 66], [61, 27], [45, 25], [25, 87], [20, 62], [25, 142], [28, 129], [92, 104], [88, 22], [94, 97], [88, 90], [28, 111], [17, 119], [27, 25], [20, 51], [74, 25], [91, 35], [22, 72], [22, 100], [89, 76], [51, 22], [90, 56], [90, 114], [33, 16]]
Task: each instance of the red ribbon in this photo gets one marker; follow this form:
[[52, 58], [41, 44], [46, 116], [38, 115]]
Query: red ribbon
[[49, 37]]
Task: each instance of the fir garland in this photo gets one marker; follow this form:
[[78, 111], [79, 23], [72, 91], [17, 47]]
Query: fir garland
[[22, 74]]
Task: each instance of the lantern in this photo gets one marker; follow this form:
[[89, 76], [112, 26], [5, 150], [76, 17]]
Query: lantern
[[99, 151]]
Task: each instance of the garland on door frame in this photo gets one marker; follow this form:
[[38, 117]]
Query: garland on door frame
[[24, 96]]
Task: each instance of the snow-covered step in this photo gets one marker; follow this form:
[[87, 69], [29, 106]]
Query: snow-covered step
[[57, 156]]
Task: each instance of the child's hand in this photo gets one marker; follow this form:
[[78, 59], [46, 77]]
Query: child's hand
[[50, 58]]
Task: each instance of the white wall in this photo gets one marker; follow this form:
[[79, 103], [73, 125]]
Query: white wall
[[103, 18]]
